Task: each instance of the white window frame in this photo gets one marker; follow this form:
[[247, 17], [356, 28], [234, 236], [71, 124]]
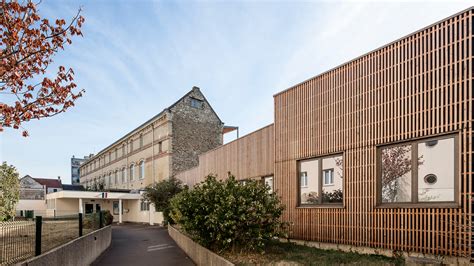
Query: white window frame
[[304, 179], [132, 172], [141, 174], [144, 206], [329, 170], [268, 179], [124, 175]]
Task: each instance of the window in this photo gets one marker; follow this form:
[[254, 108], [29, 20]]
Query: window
[[321, 180], [109, 181], [142, 170], [268, 181], [123, 149], [328, 177], [116, 177], [131, 145], [116, 208], [115, 156], [195, 103], [141, 141], [132, 172], [160, 146], [112, 179], [144, 206], [110, 157], [124, 176], [420, 171], [243, 181], [304, 179]]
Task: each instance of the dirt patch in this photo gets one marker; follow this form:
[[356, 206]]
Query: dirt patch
[[278, 253]]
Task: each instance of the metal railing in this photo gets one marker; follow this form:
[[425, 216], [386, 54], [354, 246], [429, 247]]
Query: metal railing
[[17, 240], [23, 239]]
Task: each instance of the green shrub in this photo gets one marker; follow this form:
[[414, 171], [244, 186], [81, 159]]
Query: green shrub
[[161, 193], [108, 217], [227, 214], [91, 221]]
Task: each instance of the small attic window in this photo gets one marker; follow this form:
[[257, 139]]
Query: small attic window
[[196, 103]]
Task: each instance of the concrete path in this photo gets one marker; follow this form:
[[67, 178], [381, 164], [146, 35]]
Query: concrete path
[[134, 244]]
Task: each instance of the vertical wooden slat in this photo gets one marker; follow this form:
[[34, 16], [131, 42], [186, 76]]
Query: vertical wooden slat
[[418, 86]]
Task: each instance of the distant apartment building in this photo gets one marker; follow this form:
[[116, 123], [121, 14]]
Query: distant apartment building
[[75, 169], [166, 144]]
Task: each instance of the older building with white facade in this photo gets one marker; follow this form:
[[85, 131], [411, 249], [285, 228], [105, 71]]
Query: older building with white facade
[[164, 145]]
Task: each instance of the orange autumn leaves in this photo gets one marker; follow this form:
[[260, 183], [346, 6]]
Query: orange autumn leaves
[[28, 44]]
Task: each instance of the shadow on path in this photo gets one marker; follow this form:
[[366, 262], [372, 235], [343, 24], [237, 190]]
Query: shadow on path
[[136, 244]]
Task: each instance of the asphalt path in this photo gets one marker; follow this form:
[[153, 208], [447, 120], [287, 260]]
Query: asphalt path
[[135, 244]]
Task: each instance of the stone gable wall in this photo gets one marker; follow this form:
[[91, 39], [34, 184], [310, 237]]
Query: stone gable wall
[[195, 131]]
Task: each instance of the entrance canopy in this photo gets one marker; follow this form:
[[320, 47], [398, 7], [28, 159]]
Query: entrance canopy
[[92, 195]]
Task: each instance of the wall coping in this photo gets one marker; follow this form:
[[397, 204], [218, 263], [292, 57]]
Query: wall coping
[[198, 254]]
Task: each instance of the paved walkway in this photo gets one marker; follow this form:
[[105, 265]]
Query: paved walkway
[[134, 244]]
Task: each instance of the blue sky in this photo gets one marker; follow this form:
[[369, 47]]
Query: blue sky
[[138, 57]]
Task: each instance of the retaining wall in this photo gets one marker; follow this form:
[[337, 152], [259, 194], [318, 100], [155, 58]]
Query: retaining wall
[[199, 254], [80, 251]]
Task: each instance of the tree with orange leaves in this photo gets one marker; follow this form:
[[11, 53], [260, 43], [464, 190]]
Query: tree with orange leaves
[[27, 46]]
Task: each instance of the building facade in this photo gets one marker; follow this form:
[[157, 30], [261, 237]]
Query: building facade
[[376, 154], [159, 148], [33, 193], [75, 169]]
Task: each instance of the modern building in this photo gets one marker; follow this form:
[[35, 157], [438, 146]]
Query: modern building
[[75, 169], [124, 206], [375, 155], [167, 143]]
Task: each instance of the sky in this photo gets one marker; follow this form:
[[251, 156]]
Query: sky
[[138, 57]]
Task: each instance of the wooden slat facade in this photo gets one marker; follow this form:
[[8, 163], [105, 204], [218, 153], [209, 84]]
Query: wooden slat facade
[[251, 156], [418, 86]]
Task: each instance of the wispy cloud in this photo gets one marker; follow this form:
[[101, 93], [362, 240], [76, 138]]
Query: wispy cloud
[[137, 58]]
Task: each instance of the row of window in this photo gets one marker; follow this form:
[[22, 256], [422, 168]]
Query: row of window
[[120, 176], [421, 171], [101, 160]]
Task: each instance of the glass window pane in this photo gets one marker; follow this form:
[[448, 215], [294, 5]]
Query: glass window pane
[[436, 170], [269, 182], [396, 173], [333, 179], [309, 191]]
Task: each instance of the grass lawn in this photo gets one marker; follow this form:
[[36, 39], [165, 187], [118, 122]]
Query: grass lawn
[[279, 253], [17, 239]]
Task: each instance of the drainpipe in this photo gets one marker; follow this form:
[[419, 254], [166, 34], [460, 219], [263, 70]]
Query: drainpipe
[[153, 152], [127, 172]]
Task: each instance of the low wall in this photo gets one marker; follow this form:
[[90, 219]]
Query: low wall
[[199, 254], [80, 251]]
